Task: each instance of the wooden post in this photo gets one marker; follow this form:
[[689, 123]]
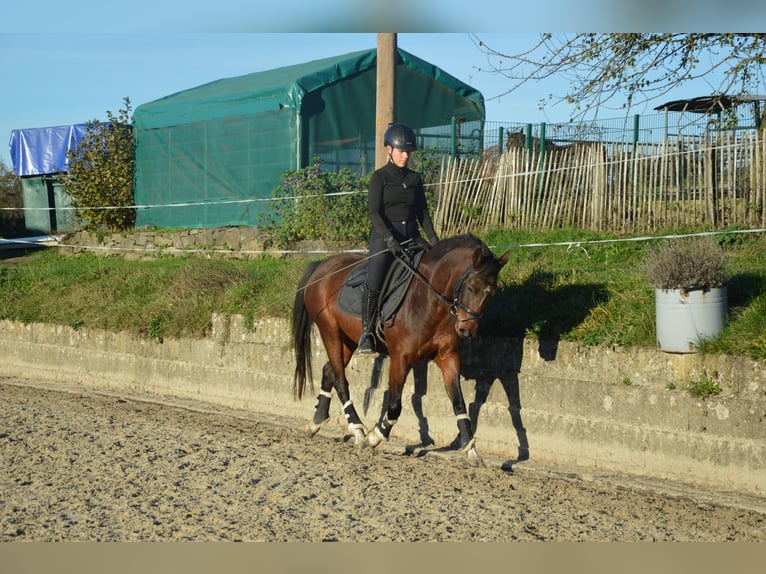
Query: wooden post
[[385, 97]]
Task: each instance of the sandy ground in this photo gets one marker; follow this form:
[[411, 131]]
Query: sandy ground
[[78, 465]]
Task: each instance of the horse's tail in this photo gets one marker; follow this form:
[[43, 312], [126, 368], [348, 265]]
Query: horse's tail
[[301, 332]]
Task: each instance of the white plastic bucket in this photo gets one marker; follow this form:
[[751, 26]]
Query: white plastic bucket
[[685, 318]]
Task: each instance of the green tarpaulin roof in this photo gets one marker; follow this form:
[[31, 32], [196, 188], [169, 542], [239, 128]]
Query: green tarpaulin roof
[[282, 87]]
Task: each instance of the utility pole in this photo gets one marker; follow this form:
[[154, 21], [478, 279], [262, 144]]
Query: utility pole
[[385, 97]]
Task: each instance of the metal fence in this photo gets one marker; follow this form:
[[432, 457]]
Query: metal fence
[[651, 128]]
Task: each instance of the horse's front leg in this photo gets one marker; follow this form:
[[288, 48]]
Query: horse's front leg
[[449, 363], [397, 375]]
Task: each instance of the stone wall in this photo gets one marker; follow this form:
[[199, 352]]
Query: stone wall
[[206, 242]]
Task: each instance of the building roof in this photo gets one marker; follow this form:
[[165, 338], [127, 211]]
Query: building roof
[[712, 104]]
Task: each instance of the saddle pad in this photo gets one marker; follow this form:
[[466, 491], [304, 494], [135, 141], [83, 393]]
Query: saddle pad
[[394, 288]]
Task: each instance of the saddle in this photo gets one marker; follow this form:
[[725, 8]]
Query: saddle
[[394, 288]]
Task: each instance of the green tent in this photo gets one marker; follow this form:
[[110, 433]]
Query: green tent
[[213, 155]]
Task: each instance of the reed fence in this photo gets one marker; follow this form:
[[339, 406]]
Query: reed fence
[[712, 180]]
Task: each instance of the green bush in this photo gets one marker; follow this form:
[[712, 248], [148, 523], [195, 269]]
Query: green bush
[[99, 177], [11, 218], [315, 205], [312, 204]]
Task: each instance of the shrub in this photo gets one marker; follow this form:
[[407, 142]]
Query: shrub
[[12, 217], [693, 263], [99, 177], [313, 204], [308, 209]]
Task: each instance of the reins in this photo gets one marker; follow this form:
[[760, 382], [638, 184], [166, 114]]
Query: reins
[[351, 266]]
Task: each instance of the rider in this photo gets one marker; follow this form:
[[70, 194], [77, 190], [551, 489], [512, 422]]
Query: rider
[[397, 203]]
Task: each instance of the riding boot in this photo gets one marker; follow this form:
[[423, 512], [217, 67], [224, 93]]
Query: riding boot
[[369, 315]]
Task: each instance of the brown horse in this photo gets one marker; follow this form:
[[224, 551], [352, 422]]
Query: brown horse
[[444, 302]]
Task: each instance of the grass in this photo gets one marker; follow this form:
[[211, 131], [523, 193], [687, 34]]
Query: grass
[[596, 291], [166, 297], [593, 293]]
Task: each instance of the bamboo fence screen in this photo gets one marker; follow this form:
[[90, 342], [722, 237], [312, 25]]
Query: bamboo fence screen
[[712, 181]]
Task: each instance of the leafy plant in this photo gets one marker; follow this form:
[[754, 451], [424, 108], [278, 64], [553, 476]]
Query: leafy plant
[[314, 204], [473, 211], [695, 263], [12, 219], [426, 162], [155, 329], [99, 177], [704, 386]]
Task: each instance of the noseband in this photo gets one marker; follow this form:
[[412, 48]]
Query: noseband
[[455, 304]]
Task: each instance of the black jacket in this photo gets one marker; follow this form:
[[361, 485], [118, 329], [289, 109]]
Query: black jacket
[[397, 194]]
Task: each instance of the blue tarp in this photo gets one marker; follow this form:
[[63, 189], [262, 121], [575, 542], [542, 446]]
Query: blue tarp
[[40, 151]]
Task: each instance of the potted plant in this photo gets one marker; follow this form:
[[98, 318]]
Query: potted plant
[[689, 279]]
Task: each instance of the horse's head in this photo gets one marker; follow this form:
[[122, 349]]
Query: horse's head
[[474, 288]]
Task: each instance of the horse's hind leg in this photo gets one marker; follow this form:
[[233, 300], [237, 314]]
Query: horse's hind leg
[[397, 374], [322, 411]]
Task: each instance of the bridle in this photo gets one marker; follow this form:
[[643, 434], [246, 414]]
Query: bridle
[[453, 304], [456, 304]]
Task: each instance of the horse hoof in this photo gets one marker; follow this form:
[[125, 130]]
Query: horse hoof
[[313, 428], [373, 438], [360, 437], [474, 458]]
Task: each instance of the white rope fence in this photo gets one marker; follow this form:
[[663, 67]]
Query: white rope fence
[[56, 241]]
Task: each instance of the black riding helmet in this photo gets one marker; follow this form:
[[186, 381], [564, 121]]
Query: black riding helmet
[[401, 137]]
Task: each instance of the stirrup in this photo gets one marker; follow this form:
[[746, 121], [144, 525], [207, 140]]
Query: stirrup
[[366, 344]]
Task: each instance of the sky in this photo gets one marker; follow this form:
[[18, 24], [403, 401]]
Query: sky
[[105, 68], [67, 63]]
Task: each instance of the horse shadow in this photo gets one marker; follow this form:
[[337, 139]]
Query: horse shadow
[[537, 305], [742, 288], [542, 306], [485, 375]]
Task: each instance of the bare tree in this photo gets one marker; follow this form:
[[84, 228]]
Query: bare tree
[[632, 69]]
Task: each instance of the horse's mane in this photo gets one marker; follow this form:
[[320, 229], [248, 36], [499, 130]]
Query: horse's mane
[[448, 244], [466, 243]]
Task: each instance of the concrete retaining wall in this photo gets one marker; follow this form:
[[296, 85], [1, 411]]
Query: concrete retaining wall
[[607, 409]]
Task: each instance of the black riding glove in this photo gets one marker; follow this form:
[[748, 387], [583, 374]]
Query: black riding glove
[[393, 245]]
